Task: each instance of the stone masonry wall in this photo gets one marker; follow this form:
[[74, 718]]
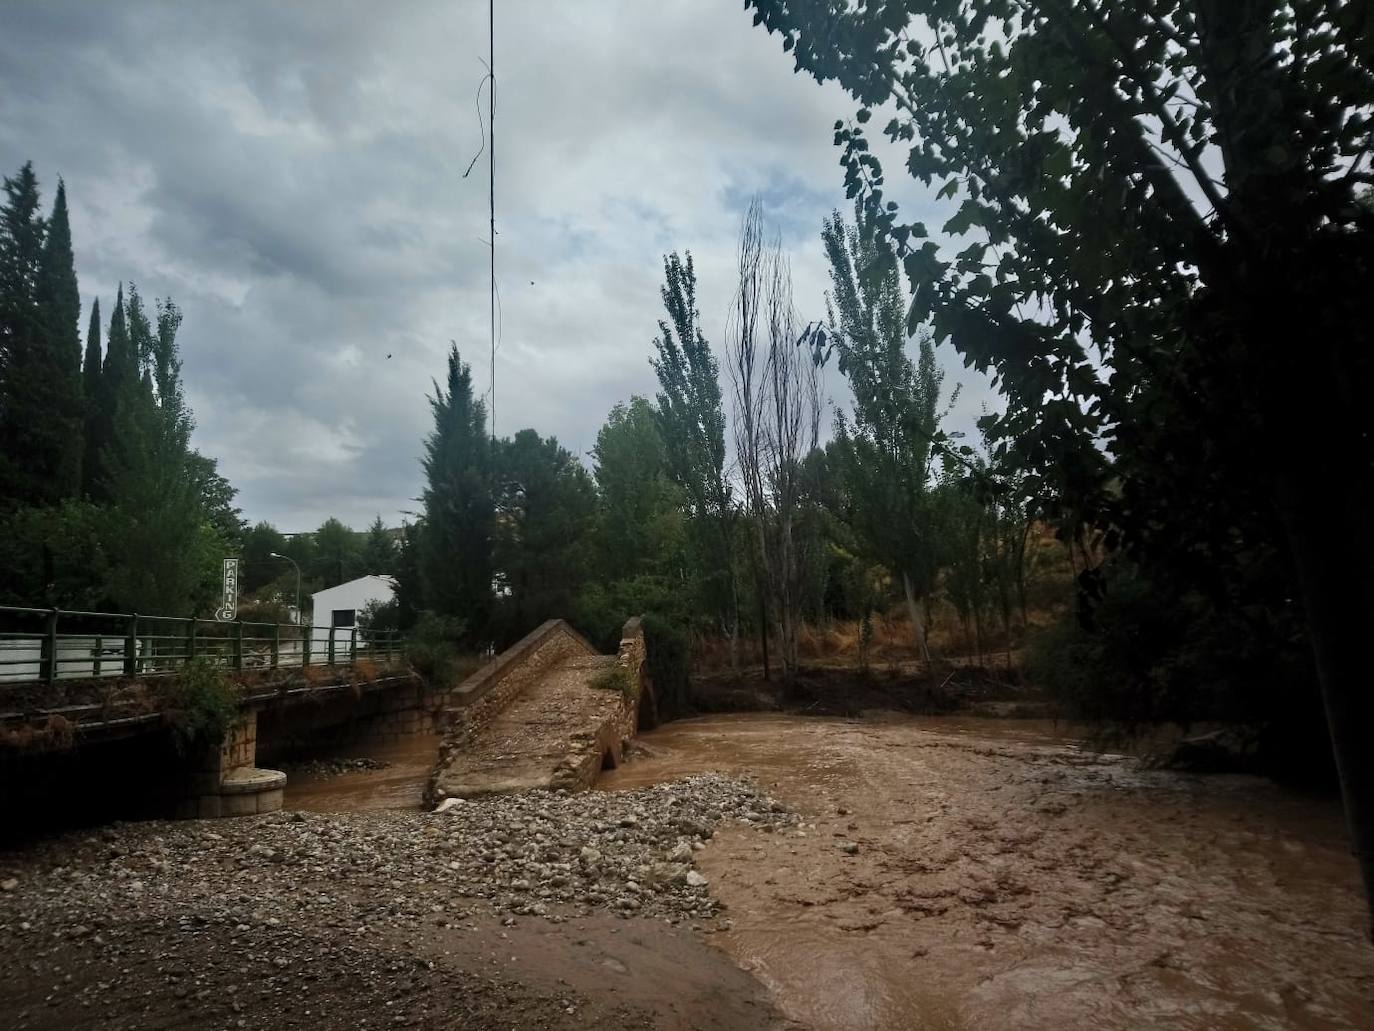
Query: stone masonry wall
[[580, 770], [483, 696]]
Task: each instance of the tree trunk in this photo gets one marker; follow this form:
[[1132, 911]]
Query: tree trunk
[[763, 633], [916, 621], [1333, 557]]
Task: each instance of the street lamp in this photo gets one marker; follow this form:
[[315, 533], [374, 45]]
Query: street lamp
[[288, 558]]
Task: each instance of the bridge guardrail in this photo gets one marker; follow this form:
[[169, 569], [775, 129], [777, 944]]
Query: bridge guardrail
[[47, 645]]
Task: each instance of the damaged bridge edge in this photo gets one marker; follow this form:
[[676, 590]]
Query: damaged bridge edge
[[487, 693]]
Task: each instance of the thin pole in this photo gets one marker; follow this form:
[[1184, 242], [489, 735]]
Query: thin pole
[[491, 194]]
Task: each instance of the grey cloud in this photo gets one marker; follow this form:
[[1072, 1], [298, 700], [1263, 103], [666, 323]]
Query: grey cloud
[[292, 175]]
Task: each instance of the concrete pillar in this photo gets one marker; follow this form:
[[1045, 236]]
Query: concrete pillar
[[224, 781]]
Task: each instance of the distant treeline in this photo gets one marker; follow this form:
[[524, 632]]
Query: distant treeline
[[759, 531]]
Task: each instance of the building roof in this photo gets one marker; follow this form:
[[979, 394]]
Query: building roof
[[377, 580]]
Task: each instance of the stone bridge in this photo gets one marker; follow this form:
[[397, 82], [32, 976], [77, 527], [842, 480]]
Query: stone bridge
[[549, 711]]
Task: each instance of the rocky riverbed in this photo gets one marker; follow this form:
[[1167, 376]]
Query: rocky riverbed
[[383, 918], [885, 872]]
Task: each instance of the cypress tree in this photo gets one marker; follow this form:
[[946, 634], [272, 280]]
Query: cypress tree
[[21, 251], [157, 517], [120, 366], [55, 404], [456, 536], [118, 372], [91, 395]]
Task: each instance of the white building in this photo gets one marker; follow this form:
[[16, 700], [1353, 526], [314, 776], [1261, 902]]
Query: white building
[[338, 607]]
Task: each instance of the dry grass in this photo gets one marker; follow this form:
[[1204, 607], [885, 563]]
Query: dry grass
[[56, 734], [319, 676], [891, 644]]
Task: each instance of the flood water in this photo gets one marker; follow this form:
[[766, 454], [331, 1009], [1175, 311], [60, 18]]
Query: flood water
[[1005, 877], [962, 873], [398, 785]]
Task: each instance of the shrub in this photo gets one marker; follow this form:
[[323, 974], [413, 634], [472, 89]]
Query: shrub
[[379, 617], [1150, 654], [432, 650], [200, 705], [670, 667], [616, 677]]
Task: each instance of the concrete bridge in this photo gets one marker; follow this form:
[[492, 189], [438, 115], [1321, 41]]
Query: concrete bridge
[[549, 711]]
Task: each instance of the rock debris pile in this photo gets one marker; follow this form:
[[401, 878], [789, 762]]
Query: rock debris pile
[[277, 920], [321, 769], [540, 853], [630, 851]]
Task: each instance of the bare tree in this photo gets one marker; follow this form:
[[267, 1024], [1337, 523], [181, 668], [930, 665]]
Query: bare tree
[[777, 422]]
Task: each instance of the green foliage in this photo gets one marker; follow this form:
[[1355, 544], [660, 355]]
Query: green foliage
[[200, 705], [217, 500], [1154, 653], [668, 654], [163, 545], [378, 552], [337, 554], [546, 505], [455, 537], [92, 395], [409, 584], [616, 677], [378, 617], [259, 568], [1133, 223], [691, 422], [885, 452], [40, 350], [105, 504], [55, 556], [640, 524], [432, 648], [300, 548]]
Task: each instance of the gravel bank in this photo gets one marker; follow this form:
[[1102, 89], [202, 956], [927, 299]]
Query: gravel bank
[[297, 918]]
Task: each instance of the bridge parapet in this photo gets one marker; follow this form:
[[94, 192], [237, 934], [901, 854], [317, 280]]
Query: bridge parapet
[[485, 694], [549, 712]]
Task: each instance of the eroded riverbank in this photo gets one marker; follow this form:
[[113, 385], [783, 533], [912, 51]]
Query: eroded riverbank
[[966, 873]]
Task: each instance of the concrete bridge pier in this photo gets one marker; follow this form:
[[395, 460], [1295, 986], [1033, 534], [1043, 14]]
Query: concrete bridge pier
[[225, 782]]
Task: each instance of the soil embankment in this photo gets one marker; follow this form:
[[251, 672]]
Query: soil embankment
[[841, 689]]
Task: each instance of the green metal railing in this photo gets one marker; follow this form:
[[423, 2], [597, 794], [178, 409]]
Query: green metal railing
[[45, 645]]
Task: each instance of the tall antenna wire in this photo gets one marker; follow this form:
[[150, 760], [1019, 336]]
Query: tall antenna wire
[[491, 195]]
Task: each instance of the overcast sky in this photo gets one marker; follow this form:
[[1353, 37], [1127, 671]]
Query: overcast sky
[[291, 174]]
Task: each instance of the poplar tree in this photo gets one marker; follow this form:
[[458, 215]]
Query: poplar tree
[[692, 421], [886, 446]]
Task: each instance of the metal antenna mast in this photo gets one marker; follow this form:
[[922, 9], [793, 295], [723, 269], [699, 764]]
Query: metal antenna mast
[[491, 194]]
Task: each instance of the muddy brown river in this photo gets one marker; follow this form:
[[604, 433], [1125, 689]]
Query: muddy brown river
[[969, 873]]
